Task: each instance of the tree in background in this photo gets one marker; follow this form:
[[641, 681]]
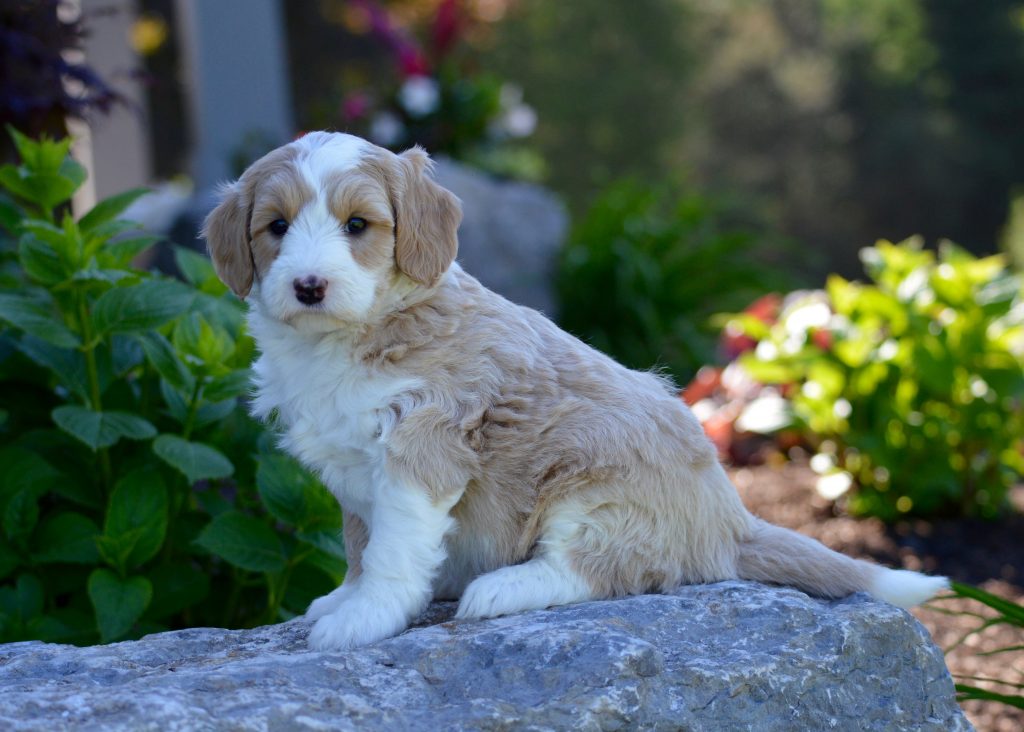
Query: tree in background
[[41, 85], [836, 122]]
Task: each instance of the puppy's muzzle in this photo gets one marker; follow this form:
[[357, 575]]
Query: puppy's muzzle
[[309, 290]]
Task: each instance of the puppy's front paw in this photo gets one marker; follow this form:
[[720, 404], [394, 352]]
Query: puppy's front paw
[[328, 603], [355, 622]]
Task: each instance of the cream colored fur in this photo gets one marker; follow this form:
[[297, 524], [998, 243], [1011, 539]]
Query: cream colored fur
[[479, 452]]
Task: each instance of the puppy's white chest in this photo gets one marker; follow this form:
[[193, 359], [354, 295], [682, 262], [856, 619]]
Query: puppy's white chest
[[332, 411]]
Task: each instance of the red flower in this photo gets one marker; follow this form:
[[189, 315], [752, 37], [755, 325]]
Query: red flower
[[447, 25], [766, 309], [822, 338], [704, 384]]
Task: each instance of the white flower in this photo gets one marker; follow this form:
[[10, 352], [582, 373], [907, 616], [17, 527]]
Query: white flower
[[888, 350], [766, 414], [519, 121], [822, 463], [833, 485], [420, 95], [811, 313], [386, 129]]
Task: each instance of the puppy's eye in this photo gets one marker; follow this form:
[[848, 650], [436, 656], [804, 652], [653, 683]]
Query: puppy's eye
[[355, 225], [278, 227]]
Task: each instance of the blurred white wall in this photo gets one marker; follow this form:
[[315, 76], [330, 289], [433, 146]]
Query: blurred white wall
[[115, 147], [235, 59]]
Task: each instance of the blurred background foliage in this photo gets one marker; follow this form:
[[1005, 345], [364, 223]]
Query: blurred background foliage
[[837, 122], [708, 151]]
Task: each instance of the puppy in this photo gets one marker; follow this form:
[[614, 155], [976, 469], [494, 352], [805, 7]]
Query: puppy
[[478, 452]]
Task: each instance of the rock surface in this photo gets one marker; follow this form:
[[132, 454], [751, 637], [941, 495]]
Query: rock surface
[[730, 656]]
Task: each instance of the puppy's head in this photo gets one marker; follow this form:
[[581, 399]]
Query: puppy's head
[[320, 230]]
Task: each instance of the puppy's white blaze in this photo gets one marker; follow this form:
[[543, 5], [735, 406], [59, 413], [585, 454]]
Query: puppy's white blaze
[[317, 247], [335, 152], [904, 588]]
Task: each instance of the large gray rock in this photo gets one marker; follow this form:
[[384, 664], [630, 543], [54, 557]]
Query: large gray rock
[[731, 656]]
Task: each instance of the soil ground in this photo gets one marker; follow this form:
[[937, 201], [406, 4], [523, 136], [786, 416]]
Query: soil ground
[[984, 553]]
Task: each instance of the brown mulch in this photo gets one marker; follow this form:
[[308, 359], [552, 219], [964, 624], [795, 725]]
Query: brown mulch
[[984, 553]]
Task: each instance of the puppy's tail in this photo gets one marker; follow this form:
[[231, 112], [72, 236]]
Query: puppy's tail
[[780, 556]]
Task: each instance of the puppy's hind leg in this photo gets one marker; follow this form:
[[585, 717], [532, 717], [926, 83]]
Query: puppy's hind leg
[[545, 580], [541, 582]]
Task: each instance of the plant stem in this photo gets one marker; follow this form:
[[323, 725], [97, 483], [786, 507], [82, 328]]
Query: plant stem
[[193, 408], [89, 351]]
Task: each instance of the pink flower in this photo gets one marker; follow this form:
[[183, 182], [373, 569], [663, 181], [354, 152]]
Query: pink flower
[[411, 61], [355, 106]]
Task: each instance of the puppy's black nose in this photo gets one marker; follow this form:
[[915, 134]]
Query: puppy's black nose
[[309, 290]]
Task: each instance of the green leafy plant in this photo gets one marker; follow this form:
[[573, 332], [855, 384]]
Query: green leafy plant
[[646, 268], [911, 387], [1000, 611], [131, 480]]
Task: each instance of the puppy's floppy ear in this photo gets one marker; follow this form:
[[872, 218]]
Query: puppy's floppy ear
[[226, 230], [428, 218]]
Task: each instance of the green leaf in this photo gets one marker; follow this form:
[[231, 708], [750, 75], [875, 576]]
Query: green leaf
[[966, 691], [110, 208], [194, 267], [21, 514], [161, 354], [74, 172], [40, 261], [116, 549], [11, 215], [144, 306], [243, 541], [101, 429], [67, 537], [119, 603], [176, 587], [230, 386], [327, 541], [9, 559], [767, 372], [22, 469], [306, 583], [28, 149], [207, 344], [139, 503], [33, 318], [120, 253], [1010, 611], [294, 496], [102, 276], [194, 459], [30, 596], [46, 190]]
